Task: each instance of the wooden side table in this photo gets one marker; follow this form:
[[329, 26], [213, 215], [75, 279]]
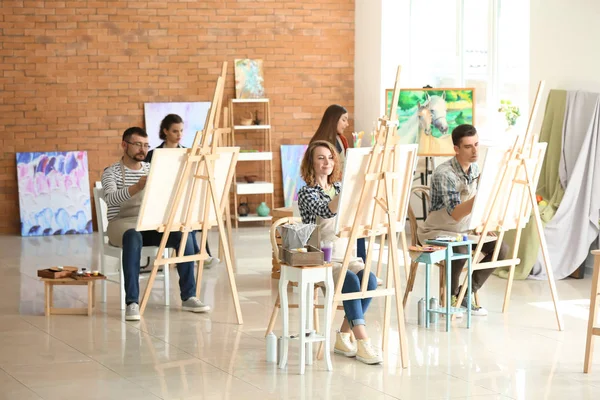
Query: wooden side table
[[49, 292], [592, 329]]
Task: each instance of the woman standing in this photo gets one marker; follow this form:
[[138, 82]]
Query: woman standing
[[171, 133]]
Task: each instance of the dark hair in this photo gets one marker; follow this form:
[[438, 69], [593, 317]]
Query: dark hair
[[166, 124], [134, 130], [461, 131], [307, 169], [328, 127]]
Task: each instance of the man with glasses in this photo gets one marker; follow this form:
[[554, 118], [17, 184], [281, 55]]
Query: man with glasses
[[123, 184]]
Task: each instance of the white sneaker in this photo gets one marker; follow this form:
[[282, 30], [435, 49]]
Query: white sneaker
[[132, 312], [194, 304], [367, 353], [344, 344], [211, 262]]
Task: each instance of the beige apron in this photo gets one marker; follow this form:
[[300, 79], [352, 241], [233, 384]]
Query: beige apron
[[440, 223], [127, 217]]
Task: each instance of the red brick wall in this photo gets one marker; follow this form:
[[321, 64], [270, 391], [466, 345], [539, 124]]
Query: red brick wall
[[75, 74]]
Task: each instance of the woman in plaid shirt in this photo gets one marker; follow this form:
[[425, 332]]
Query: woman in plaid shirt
[[318, 203]]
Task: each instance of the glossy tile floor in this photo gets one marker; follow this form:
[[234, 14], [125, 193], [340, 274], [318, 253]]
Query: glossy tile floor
[[178, 355]]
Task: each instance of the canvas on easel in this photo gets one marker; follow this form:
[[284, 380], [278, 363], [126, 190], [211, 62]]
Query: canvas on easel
[[197, 196], [507, 199], [382, 178]]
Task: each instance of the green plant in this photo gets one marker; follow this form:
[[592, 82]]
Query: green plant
[[511, 113]]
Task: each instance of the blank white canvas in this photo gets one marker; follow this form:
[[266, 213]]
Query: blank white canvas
[[166, 171], [491, 173], [193, 115], [404, 161]]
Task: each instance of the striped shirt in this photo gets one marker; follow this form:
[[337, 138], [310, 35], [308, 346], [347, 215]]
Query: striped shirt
[[115, 191]]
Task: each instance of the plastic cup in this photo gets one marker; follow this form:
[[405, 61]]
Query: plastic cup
[[327, 248]]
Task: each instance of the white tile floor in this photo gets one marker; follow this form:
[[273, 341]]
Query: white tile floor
[[177, 355]]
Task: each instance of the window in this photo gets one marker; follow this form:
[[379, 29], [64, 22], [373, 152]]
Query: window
[[482, 44]]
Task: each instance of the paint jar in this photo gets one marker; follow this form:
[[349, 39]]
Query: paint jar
[[421, 312], [433, 305]]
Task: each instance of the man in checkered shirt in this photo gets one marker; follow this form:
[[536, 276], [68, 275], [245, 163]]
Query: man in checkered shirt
[[453, 188]]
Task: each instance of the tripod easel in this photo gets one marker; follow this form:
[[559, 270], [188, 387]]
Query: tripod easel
[[381, 210], [198, 201], [518, 178]]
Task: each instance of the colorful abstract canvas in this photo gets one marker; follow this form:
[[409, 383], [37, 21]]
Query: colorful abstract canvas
[[428, 116], [193, 115], [291, 158], [249, 81], [54, 193]]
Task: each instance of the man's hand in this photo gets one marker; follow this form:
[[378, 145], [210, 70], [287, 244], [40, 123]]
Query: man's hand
[[138, 187], [142, 183], [494, 234]]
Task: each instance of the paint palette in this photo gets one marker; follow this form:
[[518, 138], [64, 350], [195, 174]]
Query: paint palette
[[426, 249]]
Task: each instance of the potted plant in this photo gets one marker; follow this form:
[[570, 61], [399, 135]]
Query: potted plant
[[511, 112]]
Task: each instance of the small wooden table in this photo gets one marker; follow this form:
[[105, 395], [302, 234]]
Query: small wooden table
[[49, 291]]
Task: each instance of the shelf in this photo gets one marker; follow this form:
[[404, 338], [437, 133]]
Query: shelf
[[253, 218], [250, 127], [256, 156], [254, 188], [249, 100]]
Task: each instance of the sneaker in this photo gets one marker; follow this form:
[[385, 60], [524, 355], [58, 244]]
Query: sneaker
[[211, 262], [132, 312], [475, 309], [344, 344], [454, 305], [193, 304], [367, 353]]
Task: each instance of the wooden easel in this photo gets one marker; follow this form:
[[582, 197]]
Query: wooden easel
[[384, 222], [199, 163], [518, 174]]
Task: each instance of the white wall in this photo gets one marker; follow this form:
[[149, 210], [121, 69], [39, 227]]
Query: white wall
[[564, 47]]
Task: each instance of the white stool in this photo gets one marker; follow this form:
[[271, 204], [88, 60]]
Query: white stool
[[306, 278]]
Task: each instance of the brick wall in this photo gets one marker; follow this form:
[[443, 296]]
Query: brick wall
[[75, 74]]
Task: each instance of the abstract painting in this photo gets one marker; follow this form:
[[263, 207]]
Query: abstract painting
[[428, 116], [193, 115], [291, 158], [249, 81], [54, 193]]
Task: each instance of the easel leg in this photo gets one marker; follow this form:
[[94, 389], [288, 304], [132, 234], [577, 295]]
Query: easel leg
[[381, 249], [273, 317], [544, 248], [589, 343]]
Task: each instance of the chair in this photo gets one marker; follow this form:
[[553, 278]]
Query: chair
[[107, 250], [424, 191], [592, 330]]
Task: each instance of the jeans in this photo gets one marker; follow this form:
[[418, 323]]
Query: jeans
[[133, 241], [355, 309], [197, 246], [481, 275], [361, 250]]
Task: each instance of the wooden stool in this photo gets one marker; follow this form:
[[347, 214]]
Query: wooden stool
[[49, 289], [449, 255], [592, 330], [306, 278]]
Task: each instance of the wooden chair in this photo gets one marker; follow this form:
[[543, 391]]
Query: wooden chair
[[592, 329], [424, 191]]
